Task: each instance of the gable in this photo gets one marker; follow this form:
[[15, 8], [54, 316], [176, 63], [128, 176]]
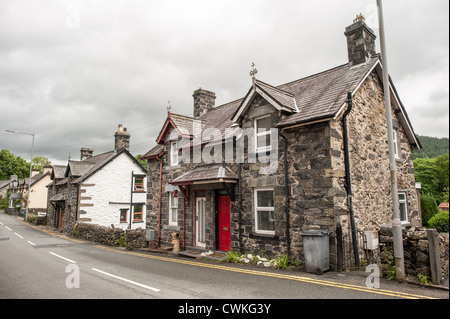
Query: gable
[[397, 106], [109, 159], [279, 99], [184, 126], [117, 170]]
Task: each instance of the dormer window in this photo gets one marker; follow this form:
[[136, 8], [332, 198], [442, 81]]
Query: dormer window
[[262, 133], [174, 154]]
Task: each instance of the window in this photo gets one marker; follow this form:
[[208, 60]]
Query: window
[[138, 212], [139, 184], [396, 146], [262, 134], [174, 154], [264, 211], [173, 209], [403, 203], [123, 215]]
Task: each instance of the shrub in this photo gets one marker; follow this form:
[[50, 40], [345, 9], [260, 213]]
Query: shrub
[[439, 222], [429, 208], [232, 257]]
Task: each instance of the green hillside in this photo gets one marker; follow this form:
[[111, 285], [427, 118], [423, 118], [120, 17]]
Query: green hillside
[[432, 147]]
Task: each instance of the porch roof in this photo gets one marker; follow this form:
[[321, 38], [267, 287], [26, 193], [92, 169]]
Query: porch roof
[[206, 174], [57, 198]]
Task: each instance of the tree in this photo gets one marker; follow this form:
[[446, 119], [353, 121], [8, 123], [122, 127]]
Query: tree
[[11, 164], [39, 162], [433, 173], [142, 162]]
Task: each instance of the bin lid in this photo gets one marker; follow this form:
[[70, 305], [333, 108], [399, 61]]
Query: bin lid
[[315, 232]]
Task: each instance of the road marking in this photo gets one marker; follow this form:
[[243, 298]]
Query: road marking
[[67, 259], [126, 280], [8, 228], [1, 223], [18, 235], [33, 244], [280, 276]]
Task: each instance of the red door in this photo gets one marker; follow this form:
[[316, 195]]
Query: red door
[[224, 223]]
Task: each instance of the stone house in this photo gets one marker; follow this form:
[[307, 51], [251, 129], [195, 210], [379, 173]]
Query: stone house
[[105, 189], [252, 174]]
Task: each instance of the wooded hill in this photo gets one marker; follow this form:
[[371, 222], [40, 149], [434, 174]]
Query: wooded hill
[[432, 147]]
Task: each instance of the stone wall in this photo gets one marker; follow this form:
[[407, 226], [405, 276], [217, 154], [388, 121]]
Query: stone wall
[[418, 251], [110, 236], [369, 163]]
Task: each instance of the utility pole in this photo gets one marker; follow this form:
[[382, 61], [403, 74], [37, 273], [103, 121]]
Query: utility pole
[[31, 168], [396, 223]]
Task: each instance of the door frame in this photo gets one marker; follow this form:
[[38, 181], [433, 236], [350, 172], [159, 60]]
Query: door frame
[[218, 222], [197, 243]]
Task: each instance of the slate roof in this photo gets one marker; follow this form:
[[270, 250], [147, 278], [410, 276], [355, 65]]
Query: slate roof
[[83, 169], [316, 97], [206, 173], [155, 151], [4, 183]]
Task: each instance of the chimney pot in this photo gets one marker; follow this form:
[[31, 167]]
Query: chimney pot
[[121, 139]]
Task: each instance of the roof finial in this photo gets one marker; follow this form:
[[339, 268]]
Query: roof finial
[[253, 72], [169, 107]]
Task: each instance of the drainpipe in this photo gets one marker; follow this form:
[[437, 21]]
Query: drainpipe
[[160, 199], [348, 183], [240, 207], [184, 222], [286, 183], [131, 199]]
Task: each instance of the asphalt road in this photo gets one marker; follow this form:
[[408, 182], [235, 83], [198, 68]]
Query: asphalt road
[[36, 264]]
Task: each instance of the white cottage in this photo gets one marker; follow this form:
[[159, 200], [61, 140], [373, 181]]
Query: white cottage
[[108, 189]]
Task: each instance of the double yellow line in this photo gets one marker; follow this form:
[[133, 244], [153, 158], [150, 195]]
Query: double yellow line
[[274, 275], [255, 272]]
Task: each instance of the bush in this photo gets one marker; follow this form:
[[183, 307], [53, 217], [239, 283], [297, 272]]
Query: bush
[[439, 222], [429, 208]]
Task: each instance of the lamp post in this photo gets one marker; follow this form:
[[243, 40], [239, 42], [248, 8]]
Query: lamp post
[[31, 167], [396, 222]]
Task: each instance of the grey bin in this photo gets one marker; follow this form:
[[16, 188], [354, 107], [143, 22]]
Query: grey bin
[[316, 248]]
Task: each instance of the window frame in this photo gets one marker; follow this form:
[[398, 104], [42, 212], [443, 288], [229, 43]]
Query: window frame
[[396, 144], [125, 220], [267, 209], [136, 185], [405, 203], [171, 220], [141, 212], [266, 148], [174, 158]]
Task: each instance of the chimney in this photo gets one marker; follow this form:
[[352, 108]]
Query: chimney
[[86, 152], [121, 139], [203, 101], [34, 172], [360, 41]]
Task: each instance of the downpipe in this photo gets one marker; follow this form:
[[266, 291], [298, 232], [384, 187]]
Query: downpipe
[[348, 182]]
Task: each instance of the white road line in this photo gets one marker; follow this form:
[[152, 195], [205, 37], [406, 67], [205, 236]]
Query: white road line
[[18, 235], [126, 280], [66, 259], [8, 228], [33, 244], [1, 223]]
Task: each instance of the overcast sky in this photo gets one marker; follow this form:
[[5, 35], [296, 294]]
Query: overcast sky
[[72, 70]]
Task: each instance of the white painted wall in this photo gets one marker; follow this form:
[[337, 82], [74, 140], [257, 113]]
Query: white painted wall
[[111, 192], [38, 198]]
